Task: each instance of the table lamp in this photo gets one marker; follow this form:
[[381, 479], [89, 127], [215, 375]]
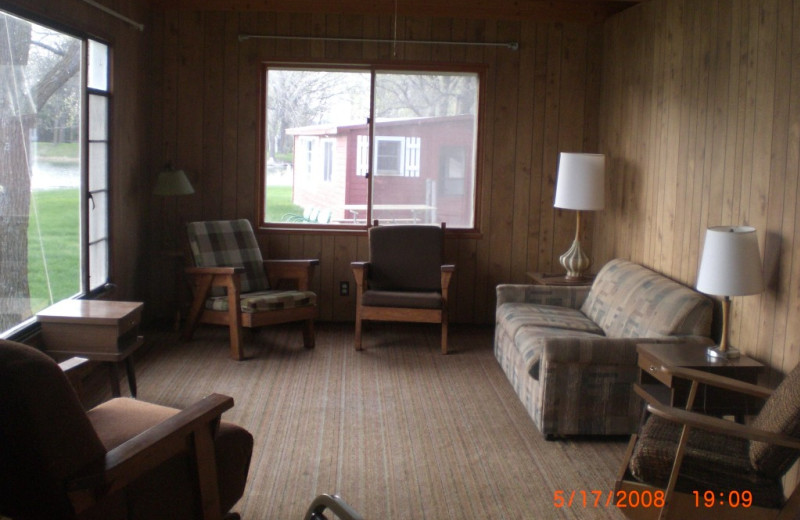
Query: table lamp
[[580, 186], [730, 266]]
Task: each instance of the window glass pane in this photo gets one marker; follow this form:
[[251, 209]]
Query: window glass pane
[[98, 211], [425, 130], [98, 166], [314, 120], [40, 168], [98, 118], [98, 264], [97, 74]]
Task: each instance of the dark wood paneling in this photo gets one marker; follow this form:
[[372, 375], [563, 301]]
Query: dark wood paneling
[[536, 103], [591, 11]]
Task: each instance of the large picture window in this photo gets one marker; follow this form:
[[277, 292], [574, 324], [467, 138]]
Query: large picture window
[[54, 130], [363, 143]]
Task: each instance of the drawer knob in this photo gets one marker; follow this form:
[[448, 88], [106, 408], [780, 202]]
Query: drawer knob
[[652, 368]]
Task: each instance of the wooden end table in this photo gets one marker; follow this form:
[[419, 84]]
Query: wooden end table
[[674, 391], [560, 279], [98, 330]]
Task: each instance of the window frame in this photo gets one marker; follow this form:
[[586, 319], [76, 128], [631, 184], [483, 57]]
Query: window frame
[[372, 67], [87, 289]]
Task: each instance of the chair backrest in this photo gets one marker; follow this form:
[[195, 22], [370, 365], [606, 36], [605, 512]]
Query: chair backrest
[[229, 243], [45, 435], [405, 258], [780, 414]]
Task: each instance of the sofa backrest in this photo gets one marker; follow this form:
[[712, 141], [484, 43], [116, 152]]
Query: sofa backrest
[[628, 300]]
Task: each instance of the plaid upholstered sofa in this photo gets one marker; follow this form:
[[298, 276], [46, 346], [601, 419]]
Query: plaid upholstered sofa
[[570, 352]]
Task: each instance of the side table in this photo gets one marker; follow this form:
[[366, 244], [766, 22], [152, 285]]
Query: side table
[[560, 279], [675, 391], [98, 330]]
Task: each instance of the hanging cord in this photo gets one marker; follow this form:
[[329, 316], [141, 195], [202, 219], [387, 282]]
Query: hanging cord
[[394, 35], [34, 206]]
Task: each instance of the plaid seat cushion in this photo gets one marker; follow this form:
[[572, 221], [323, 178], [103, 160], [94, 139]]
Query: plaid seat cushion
[[229, 243], [266, 301], [712, 461]]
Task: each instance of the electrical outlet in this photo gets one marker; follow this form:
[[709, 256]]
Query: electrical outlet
[[344, 288]]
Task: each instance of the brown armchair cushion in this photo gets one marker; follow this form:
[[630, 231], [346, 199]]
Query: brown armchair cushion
[[405, 299], [49, 439], [405, 258], [712, 461], [780, 414], [119, 420]]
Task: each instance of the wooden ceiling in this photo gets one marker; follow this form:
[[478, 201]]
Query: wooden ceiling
[[588, 11]]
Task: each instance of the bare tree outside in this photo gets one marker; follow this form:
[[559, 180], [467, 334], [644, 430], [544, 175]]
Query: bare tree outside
[[39, 100]]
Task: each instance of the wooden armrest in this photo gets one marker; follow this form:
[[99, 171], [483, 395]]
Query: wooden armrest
[[301, 271], [131, 459], [718, 381], [360, 273], [214, 270], [715, 424]]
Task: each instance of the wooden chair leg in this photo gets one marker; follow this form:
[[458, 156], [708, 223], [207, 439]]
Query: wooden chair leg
[[309, 337], [200, 294], [235, 325], [444, 336], [357, 340]]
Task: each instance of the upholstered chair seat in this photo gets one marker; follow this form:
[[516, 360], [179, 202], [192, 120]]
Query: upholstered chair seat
[[123, 459]]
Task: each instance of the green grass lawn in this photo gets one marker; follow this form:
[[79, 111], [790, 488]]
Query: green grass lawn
[[279, 203], [54, 242]]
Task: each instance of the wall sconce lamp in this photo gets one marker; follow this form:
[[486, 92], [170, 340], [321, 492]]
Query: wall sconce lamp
[[580, 186], [172, 182], [730, 266]]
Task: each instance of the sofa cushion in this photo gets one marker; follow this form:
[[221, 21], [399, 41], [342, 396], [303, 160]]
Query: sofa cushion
[[514, 316], [628, 300], [530, 343]]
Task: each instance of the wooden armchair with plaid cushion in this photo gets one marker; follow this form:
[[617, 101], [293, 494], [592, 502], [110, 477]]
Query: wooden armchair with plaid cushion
[[234, 286], [689, 465]]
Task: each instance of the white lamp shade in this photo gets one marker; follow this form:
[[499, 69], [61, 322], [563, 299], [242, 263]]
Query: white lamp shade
[[731, 263], [580, 184], [172, 182]]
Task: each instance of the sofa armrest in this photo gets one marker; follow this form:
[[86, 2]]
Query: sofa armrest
[[542, 294], [583, 350]]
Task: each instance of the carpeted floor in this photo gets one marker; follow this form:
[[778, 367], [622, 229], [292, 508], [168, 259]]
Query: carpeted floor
[[398, 430]]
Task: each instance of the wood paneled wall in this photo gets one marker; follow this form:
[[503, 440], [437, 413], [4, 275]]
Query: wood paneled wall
[[700, 120], [539, 101]]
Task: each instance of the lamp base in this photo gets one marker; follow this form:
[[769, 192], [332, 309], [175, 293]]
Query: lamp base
[[575, 262], [728, 353]]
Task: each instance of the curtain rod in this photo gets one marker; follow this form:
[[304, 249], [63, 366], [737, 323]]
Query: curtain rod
[[115, 14], [243, 37]]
